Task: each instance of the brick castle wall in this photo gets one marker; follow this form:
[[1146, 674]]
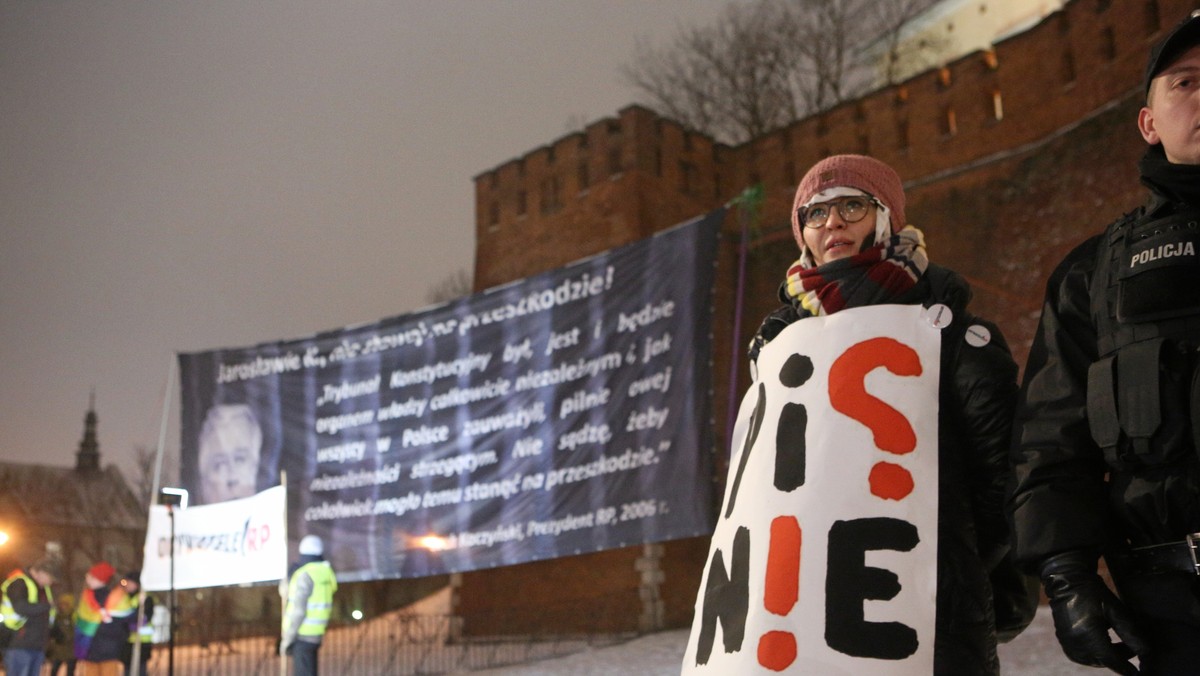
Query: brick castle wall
[[1011, 157]]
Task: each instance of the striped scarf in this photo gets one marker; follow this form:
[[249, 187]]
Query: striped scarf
[[90, 614], [879, 275]]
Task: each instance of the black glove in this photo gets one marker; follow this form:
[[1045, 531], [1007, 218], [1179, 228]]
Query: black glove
[[1084, 609]]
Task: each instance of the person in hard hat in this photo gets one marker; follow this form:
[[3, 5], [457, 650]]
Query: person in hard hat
[[309, 606]]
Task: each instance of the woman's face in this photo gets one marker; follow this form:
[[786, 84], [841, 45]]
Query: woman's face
[[838, 238]]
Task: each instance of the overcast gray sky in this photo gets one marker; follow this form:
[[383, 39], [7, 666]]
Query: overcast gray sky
[[182, 175]]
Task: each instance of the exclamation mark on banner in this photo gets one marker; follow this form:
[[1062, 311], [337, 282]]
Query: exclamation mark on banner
[[777, 649]]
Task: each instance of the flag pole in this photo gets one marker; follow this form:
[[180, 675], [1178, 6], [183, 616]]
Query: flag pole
[[283, 577], [162, 431]]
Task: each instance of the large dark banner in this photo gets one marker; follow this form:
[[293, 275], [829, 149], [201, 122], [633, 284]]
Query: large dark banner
[[565, 413]]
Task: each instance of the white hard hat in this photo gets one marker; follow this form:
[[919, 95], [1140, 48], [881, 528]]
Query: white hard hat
[[311, 545]]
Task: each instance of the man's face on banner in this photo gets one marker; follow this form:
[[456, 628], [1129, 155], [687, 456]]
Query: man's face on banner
[[230, 445]]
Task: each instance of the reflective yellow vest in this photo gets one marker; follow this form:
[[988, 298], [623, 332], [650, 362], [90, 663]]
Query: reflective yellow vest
[[144, 629], [11, 619], [320, 601]]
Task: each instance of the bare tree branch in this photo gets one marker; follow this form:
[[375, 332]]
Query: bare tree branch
[[144, 464], [729, 79], [902, 58], [766, 63], [455, 285]]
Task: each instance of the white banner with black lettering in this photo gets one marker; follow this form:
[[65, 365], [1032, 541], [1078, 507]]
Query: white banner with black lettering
[[234, 542], [824, 557]]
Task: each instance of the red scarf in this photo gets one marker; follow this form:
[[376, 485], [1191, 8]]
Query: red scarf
[[879, 275]]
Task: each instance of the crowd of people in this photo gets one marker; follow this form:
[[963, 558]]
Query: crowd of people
[[108, 627], [1095, 456], [98, 633]]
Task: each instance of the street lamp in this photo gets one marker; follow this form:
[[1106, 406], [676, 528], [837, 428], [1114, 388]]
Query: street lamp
[[172, 498], [11, 548]]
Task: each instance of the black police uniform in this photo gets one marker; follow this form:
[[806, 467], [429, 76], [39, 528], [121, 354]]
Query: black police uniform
[[1105, 452]]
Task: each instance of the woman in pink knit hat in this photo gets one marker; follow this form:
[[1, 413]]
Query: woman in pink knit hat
[[857, 249]]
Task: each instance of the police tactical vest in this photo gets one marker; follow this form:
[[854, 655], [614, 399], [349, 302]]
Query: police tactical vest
[[1142, 392]]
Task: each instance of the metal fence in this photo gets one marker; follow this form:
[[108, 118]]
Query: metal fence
[[396, 643]]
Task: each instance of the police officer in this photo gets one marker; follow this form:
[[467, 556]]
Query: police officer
[[27, 609], [309, 605], [1105, 451]]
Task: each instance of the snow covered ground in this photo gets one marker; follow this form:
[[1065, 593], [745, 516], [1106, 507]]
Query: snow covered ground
[[1034, 653]]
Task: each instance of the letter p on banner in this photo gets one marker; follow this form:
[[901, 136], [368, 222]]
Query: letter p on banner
[[782, 549]]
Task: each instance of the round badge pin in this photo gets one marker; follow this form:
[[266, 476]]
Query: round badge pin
[[978, 335], [939, 315]]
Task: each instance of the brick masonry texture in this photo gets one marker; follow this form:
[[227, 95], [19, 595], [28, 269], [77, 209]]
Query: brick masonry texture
[[1010, 157]]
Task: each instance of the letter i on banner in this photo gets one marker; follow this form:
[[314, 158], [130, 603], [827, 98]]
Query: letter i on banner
[[781, 586]]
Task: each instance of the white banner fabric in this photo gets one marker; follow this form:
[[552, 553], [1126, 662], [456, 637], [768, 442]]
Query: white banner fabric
[[824, 558], [235, 542]]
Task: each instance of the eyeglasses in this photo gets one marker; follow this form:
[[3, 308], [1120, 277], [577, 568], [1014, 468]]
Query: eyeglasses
[[852, 210]]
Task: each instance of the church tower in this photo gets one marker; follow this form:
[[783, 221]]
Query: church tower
[[87, 458]]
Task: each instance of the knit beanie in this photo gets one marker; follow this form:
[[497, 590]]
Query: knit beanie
[[102, 571], [851, 171]]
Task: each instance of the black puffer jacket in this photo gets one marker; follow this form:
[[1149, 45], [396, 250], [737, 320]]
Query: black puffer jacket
[[1066, 497], [978, 394]]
